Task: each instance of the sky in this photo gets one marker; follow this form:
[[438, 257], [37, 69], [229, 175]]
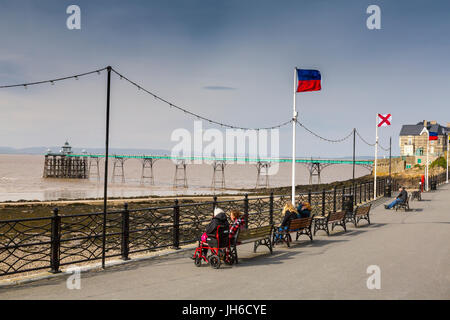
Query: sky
[[231, 61]]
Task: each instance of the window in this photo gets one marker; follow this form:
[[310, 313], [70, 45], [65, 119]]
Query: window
[[419, 152]]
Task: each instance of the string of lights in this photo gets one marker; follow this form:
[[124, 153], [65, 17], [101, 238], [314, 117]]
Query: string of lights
[[371, 144], [52, 81], [186, 111], [341, 140], [364, 140], [322, 138]]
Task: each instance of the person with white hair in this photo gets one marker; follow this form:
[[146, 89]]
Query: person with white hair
[[220, 219]]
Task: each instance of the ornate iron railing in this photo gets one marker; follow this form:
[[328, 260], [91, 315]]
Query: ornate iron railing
[[51, 242]]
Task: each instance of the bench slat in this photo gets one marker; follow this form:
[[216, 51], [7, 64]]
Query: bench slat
[[300, 223], [254, 234]]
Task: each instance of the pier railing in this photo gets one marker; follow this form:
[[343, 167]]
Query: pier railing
[[48, 243]]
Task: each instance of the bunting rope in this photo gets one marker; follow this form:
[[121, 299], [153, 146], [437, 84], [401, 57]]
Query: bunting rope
[[186, 111], [322, 138], [52, 81], [371, 144]]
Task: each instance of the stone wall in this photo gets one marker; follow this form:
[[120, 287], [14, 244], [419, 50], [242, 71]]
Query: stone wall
[[397, 165]]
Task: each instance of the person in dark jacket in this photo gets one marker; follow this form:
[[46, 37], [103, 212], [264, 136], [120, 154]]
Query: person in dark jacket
[[401, 198], [220, 219], [290, 213], [304, 210]]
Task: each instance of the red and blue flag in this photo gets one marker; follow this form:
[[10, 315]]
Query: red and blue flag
[[308, 80], [433, 135]]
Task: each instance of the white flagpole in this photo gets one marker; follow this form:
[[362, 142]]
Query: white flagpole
[[294, 124], [428, 148], [376, 156], [448, 142]]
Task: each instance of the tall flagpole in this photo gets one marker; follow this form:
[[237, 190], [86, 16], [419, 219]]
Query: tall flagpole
[[448, 142], [376, 156], [294, 124], [428, 149]]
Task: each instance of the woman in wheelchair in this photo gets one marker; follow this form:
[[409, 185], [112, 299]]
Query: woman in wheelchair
[[216, 240]]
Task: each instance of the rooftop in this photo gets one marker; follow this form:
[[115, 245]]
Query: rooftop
[[416, 129]]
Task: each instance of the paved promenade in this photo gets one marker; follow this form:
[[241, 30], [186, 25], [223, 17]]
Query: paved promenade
[[412, 250]]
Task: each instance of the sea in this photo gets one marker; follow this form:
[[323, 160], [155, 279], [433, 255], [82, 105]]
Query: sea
[[21, 178]]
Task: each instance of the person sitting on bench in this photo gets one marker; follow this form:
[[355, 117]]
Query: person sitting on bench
[[290, 213], [401, 198], [304, 210], [238, 222]]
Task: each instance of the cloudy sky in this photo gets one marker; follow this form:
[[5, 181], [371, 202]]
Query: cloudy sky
[[229, 60]]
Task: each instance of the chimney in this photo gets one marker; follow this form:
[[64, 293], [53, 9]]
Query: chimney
[[433, 122], [448, 125], [425, 123]]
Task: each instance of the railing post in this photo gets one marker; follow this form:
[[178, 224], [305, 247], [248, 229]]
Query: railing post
[[334, 198], [365, 191], [125, 248], [360, 192], [271, 208], [246, 210], [55, 241], [323, 202], [176, 226], [343, 197], [309, 198], [214, 204]]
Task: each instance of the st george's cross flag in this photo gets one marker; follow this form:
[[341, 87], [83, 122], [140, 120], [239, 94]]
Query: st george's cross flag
[[384, 120], [308, 80]]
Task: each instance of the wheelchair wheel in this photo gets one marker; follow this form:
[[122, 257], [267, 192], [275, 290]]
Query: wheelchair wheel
[[214, 261], [198, 261], [229, 260]]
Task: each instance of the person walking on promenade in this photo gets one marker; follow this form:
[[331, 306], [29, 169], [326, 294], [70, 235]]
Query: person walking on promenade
[[401, 198]]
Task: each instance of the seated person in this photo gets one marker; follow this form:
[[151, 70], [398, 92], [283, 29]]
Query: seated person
[[238, 222], [304, 210], [220, 219], [290, 213], [401, 198]]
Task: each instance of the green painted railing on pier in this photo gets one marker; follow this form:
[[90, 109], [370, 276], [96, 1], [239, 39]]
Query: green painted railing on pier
[[231, 159]]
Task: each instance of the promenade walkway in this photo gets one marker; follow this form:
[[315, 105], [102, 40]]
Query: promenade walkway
[[412, 250]]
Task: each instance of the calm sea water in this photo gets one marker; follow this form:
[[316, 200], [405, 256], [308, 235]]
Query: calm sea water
[[21, 178]]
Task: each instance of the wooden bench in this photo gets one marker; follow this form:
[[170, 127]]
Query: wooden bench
[[403, 205], [360, 213], [335, 218], [300, 226], [260, 236]]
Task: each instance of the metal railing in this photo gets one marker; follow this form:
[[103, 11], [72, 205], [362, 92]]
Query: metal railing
[[51, 242]]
